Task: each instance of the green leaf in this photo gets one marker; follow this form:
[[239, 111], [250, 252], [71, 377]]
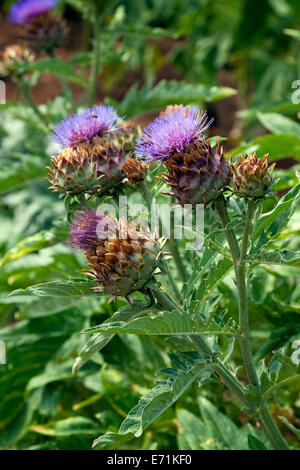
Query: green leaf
[[30, 345], [276, 145], [255, 444], [294, 33], [212, 278], [290, 426], [285, 106], [54, 66], [194, 434], [112, 440], [63, 288], [279, 124], [140, 101], [166, 392], [99, 340], [142, 31], [67, 427], [223, 430], [37, 242], [281, 371], [167, 323], [21, 170], [288, 258], [270, 224]]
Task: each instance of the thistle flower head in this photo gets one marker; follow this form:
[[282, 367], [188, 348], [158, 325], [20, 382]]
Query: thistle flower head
[[23, 11], [46, 32], [134, 170], [92, 123], [85, 228], [122, 256], [252, 177], [93, 168], [13, 56], [172, 132], [198, 174]]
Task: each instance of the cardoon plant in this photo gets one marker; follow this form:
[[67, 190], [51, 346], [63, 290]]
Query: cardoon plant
[[123, 257]]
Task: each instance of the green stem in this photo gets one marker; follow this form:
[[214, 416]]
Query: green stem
[[164, 300], [96, 54], [239, 266], [225, 375], [250, 214], [146, 195], [172, 245], [148, 200], [266, 420], [230, 235], [173, 283], [271, 429], [26, 92], [177, 258]]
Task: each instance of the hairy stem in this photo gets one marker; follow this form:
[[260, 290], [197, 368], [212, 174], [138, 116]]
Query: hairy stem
[[271, 429], [172, 245], [221, 370], [266, 420], [239, 266]]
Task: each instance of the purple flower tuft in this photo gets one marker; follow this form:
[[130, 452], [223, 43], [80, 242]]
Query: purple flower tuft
[[173, 131], [23, 11], [94, 122], [88, 228]]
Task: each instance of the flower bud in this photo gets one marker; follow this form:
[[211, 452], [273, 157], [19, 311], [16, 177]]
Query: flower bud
[[12, 56], [123, 258], [92, 168], [23, 11], [252, 176], [198, 174], [134, 170], [45, 32]]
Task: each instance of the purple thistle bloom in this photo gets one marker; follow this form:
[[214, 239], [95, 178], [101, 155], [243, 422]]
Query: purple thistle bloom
[[172, 132], [94, 122], [83, 230], [88, 228], [23, 11]]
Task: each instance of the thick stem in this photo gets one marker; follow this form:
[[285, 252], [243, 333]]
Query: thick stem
[[225, 375], [26, 92], [146, 195], [172, 245], [164, 300], [267, 423], [239, 266], [271, 429], [231, 238], [250, 214]]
